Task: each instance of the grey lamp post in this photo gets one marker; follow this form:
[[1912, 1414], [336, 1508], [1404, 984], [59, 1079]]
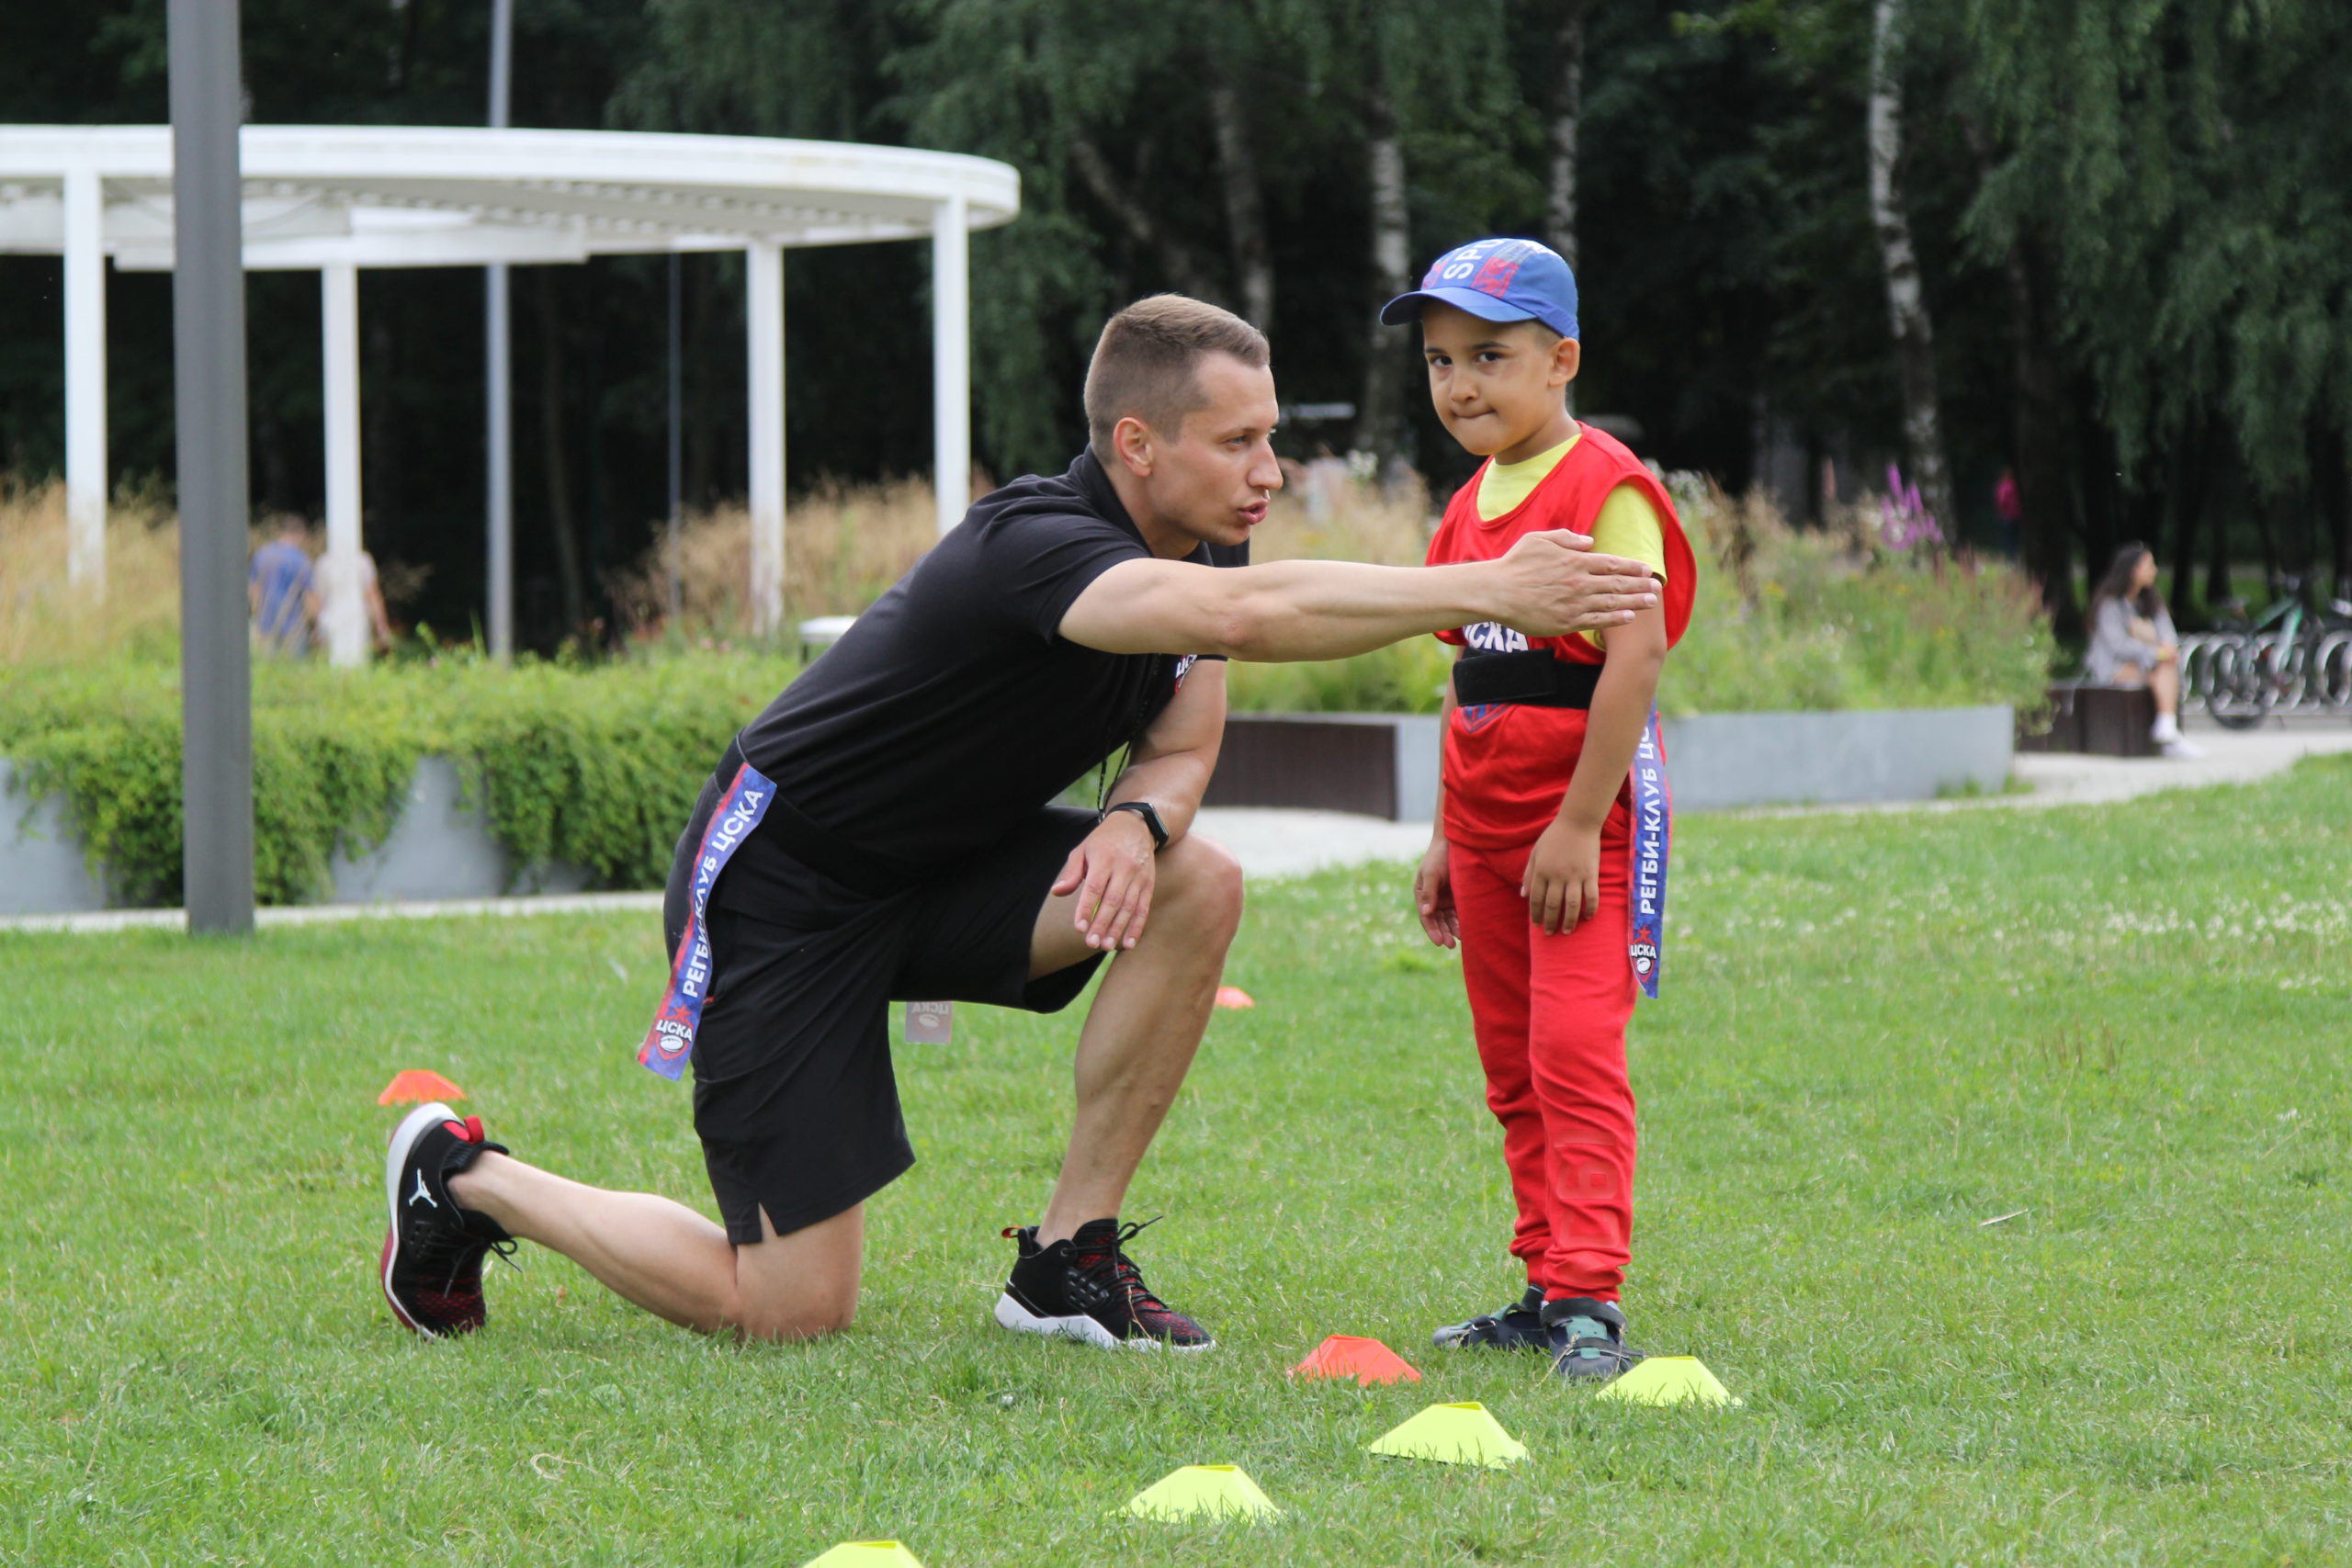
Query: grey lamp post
[[209, 377]]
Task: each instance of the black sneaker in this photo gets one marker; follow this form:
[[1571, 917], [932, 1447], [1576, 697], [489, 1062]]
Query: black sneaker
[[1519, 1326], [1586, 1339], [433, 1250], [1089, 1290]]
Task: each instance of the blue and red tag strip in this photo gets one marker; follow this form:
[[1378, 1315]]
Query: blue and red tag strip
[[671, 1040], [1653, 835]]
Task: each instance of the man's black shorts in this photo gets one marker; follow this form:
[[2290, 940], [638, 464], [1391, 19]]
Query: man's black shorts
[[794, 1097]]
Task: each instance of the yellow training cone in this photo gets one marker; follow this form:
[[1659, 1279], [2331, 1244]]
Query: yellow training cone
[[1669, 1380], [1200, 1490], [866, 1554], [1454, 1434]]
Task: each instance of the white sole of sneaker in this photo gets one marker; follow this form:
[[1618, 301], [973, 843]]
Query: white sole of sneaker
[[413, 1126], [1012, 1315]]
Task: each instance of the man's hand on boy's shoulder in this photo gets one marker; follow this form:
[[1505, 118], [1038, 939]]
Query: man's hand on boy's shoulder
[[1553, 585]]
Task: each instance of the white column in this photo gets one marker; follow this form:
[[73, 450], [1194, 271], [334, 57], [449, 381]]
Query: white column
[[86, 381], [339, 316], [950, 362], [763, 317]]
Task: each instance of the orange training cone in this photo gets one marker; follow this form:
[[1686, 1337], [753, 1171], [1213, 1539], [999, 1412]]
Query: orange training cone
[[1348, 1356], [1233, 997], [418, 1085]]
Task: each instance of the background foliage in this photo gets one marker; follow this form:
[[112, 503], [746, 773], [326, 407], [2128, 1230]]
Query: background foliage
[[596, 765], [2129, 216]]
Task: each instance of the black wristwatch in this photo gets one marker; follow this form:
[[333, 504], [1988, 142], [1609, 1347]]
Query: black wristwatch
[[1150, 819]]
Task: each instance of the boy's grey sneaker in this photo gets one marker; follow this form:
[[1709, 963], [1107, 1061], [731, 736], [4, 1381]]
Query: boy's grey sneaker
[[1586, 1338], [1519, 1326]]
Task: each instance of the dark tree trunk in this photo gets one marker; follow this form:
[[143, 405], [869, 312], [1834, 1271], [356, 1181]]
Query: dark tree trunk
[[2221, 493], [383, 449], [2191, 458], [1245, 204], [2264, 535], [2332, 479], [1177, 261], [2102, 484], [1380, 414], [555, 456], [2039, 409]]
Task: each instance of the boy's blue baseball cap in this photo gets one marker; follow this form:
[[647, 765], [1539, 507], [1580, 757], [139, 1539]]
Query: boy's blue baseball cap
[[1496, 280]]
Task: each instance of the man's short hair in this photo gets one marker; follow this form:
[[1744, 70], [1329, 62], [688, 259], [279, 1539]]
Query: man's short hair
[[1147, 363]]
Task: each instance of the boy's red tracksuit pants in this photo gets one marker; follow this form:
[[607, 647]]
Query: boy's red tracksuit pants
[[1549, 1015]]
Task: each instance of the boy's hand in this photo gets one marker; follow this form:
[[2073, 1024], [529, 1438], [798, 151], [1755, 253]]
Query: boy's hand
[[1434, 896], [1562, 884]]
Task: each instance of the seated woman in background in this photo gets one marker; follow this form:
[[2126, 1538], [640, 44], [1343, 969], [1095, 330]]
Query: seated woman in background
[[2133, 643]]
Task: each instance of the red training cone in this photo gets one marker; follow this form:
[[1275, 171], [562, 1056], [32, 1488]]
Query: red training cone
[[1233, 997], [418, 1085], [1348, 1356]]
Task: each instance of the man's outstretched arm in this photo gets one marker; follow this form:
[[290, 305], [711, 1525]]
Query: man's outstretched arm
[[1547, 585]]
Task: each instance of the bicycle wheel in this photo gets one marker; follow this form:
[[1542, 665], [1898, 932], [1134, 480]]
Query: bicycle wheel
[[2331, 673], [2239, 694]]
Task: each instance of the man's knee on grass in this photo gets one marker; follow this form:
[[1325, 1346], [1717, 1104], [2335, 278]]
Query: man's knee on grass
[[786, 1321]]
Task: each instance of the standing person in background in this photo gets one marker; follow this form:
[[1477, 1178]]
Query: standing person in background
[[281, 591], [367, 603], [2133, 643], [2011, 511]]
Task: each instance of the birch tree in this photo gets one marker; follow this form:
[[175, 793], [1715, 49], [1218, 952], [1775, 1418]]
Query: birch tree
[[1906, 306]]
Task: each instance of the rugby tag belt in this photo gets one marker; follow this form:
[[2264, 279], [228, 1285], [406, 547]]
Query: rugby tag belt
[[672, 1039], [1653, 834]]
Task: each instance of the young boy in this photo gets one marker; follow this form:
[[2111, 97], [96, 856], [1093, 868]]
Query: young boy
[[1545, 866]]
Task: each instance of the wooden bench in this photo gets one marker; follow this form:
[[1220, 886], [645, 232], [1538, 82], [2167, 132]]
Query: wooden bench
[[2105, 721]]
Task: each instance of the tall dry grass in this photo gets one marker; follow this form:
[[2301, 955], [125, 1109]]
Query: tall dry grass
[[846, 544], [44, 619]]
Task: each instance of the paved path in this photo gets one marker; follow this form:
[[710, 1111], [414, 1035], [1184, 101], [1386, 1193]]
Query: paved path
[[1273, 843]]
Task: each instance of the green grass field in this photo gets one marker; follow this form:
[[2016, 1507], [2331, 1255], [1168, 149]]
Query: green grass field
[[1880, 1033]]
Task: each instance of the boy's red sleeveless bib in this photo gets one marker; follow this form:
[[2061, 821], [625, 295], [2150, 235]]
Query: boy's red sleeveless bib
[[1508, 765]]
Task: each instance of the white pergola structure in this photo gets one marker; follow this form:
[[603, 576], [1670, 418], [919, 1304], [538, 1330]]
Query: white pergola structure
[[338, 198]]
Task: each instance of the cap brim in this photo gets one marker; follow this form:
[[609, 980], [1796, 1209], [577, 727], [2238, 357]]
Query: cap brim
[[1486, 307]]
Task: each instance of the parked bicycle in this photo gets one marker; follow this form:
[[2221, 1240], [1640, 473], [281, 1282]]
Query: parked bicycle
[[2289, 659]]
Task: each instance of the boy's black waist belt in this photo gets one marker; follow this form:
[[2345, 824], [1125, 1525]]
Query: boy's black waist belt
[[1533, 679], [821, 849]]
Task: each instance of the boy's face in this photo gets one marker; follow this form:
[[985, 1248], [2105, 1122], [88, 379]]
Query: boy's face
[[1496, 385]]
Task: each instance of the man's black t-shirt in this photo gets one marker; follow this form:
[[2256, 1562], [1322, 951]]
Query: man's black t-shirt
[[954, 710]]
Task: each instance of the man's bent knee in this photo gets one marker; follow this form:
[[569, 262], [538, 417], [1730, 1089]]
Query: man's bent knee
[[802, 1284], [1203, 875]]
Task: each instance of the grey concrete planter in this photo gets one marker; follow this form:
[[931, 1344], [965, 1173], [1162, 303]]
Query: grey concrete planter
[[1386, 764], [1721, 761], [440, 847], [41, 871]]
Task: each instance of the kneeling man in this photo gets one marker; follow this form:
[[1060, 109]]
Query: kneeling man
[[885, 830]]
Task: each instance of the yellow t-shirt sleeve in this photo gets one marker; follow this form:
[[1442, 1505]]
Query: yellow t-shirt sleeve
[[1628, 526]]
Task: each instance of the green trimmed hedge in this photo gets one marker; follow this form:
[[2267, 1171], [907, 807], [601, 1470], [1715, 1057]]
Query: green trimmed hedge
[[598, 767]]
